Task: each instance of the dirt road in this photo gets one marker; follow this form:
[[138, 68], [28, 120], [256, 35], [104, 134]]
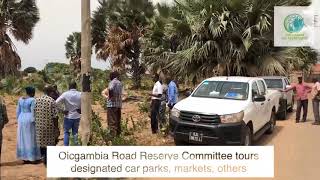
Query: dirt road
[[297, 149]]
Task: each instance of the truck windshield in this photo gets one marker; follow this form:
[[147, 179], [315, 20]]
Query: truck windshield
[[274, 83], [222, 90]]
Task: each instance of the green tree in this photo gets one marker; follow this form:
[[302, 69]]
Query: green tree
[[230, 37], [117, 28], [73, 52], [30, 70], [17, 18], [166, 32]]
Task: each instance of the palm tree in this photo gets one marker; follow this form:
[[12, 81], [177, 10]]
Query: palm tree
[[73, 51], [231, 37], [117, 28], [166, 31], [17, 18]]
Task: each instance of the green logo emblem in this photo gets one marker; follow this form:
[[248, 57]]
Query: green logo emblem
[[293, 23]]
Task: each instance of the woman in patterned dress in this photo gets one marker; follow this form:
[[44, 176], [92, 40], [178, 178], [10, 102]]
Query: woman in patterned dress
[[46, 118], [27, 148]]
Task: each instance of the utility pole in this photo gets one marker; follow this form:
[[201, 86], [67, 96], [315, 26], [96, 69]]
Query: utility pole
[[86, 97]]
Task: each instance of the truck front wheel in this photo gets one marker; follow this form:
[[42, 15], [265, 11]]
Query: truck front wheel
[[272, 123], [247, 136]]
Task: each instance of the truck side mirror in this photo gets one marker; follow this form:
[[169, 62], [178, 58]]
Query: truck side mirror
[[259, 98]]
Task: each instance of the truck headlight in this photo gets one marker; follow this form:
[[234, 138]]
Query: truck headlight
[[175, 113], [232, 118]]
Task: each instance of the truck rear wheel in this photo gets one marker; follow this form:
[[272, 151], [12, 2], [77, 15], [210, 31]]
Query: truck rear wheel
[[247, 136], [283, 115], [292, 104]]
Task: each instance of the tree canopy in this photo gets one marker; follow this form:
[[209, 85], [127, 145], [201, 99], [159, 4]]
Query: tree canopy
[[17, 20], [221, 37]]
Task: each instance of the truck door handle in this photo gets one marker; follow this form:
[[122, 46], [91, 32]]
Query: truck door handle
[[262, 104], [269, 99]]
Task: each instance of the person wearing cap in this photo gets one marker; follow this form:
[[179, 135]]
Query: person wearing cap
[[27, 148], [302, 89], [46, 120]]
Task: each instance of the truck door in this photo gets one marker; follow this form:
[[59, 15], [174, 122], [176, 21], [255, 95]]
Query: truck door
[[258, 118], [267, 105], [289, 94]]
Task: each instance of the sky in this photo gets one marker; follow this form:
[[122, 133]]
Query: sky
[[58, 19]]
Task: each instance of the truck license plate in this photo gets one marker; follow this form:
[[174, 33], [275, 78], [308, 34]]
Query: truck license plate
[[195, 136]]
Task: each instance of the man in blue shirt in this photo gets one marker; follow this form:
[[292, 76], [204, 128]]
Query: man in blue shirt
[[172, 94]]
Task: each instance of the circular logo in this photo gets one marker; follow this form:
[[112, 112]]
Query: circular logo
[[196, 118], [293, 23]]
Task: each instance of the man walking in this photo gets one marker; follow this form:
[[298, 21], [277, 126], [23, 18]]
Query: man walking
[[113, 94], [315, 101], [46, 120], [302, 91], [172, 94], [155, 103], [71, 101], [3, 120]]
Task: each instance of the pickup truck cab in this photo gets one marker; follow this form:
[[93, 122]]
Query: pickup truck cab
[[225, 111], [286, 99]]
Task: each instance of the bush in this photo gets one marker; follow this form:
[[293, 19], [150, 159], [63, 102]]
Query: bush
[[30, 70], [144, 107], [102, 137]]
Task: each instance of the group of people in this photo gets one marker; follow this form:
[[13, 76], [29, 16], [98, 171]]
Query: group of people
[[38, 121], [302, 90], [162, 95], [38, 117]]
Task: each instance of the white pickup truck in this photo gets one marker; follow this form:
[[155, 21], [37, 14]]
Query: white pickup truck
[[225, 111], [286, 99]]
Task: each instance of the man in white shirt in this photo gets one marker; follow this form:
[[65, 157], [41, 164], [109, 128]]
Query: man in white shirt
[[155, 103], [72, 113]]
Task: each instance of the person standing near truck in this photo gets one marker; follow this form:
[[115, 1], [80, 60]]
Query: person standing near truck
[[315, 101], [155, 103], [172, 94], [302, 90]]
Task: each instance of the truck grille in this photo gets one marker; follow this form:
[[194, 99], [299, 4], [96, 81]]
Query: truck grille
[[204, 118]]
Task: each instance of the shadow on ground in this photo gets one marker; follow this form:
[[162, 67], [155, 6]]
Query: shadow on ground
[[266, 139]]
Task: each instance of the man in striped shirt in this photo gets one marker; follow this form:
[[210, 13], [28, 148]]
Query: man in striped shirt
[[113, 94]]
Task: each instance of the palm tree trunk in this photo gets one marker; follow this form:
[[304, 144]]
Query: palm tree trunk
[[136, 66], [86, 98]]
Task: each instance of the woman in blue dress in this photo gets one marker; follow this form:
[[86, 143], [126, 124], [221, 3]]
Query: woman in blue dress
[[27, 148]]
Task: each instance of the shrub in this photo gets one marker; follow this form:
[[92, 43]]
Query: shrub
[[30, 70]]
